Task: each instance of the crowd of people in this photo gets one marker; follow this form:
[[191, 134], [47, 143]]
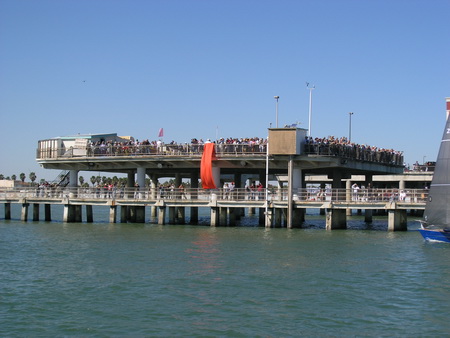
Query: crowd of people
[[342, 147], [327, 146]]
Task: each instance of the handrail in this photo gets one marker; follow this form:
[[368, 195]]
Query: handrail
[[222, 149], [315, 195]]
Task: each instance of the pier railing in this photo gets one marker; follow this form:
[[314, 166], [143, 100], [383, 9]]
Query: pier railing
[[313, 195], [185, 149], [192, 150]]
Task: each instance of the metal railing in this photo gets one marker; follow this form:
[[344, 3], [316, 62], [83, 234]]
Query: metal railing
[[237, 195], [149, 150]]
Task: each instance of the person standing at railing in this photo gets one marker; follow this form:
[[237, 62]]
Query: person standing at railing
[[355, 190], [181, 190], [231, 186]]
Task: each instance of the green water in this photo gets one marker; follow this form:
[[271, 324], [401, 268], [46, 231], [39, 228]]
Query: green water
[[105, 279]]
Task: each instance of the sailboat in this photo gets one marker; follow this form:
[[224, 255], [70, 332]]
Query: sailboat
[[436, 223]]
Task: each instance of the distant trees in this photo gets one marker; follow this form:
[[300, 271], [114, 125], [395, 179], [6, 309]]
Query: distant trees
[[22, 177], [32, 177]]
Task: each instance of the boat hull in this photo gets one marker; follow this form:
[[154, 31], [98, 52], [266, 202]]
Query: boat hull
[[435, 235]]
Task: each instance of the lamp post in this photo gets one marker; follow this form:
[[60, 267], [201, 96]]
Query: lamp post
[[310, 106], [276, 111], [350, 127]]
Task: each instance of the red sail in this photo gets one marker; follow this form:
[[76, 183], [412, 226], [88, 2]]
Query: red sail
[[209, 154]]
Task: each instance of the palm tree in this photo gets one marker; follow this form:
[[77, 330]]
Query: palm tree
[[32, 177], [81, 179], [13, 177], [22, 177], [93, 180], [2, 177]]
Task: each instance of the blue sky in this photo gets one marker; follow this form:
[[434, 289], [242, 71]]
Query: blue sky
[[202, 68]]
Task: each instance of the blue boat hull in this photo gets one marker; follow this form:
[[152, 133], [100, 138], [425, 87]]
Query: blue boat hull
[[435, 235]]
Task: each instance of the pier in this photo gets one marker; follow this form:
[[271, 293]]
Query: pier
[[284, 167], [225, 207]]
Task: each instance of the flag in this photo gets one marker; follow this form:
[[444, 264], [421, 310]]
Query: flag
[[161, 132]]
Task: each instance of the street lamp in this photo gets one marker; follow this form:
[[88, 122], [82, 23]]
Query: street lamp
[[310, 106], [276, 111], [350, 127]]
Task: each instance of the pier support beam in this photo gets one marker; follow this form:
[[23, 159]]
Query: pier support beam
[[194, 187], [348, 195], [171, 215], [89, 214], [140, 214], [153, 194], [397, 220], [298, 217], [269, 218], [24, 214], [123, 214], [69, 213], [214, 216], [78, 213], [161, 215], [181, 215], [278, 218], [223, 216], [47, 212], [368, 215], [233, 215], [112, 214], [7, 210], [336, 219], [35, 212]]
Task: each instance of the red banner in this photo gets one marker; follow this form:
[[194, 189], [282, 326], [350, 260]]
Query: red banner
[[209, 154]]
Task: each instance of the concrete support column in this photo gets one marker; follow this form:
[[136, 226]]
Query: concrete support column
[[348, 195], [251, 211], [269, 218], [35, 212], [214, 216], [47, 212], [161, 215], [78, 213], [24, 214], [140, 214], [294, 215], [73, 178], [397, 220], [123, 214], [261, 217], [89, 214], [181, 215], [278, 218], [7, 210], [223, 216], [130, 184], [140, 177], [298, 217], [338, 195], [112, 214], [153, 194], [233, 214], [69, 213], [194, 196], [171, 215], [336, 219], [368, 213], [401, 185]]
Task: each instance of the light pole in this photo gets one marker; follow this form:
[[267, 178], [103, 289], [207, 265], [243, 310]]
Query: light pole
[[310, 106], [350, 127], [276, 111]]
